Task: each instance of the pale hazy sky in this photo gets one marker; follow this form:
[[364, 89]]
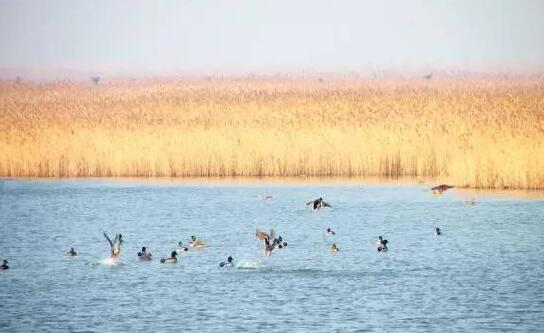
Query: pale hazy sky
[[266, 36]]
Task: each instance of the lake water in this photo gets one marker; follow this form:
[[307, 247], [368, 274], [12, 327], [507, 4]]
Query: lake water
[[484, 273]]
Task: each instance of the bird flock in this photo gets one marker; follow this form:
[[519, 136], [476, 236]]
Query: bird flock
[[269, 239]]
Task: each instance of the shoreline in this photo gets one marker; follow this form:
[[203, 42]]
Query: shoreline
[[464, 192]]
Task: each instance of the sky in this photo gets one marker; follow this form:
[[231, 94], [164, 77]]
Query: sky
[[236, 36]]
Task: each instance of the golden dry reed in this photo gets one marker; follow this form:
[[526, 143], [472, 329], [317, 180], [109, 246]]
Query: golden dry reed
[[486, 132]]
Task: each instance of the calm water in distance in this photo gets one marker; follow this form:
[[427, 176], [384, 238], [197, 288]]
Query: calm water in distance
[[485, 273]]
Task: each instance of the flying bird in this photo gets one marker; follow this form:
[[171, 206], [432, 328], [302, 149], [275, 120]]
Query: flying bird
[[441, 188]]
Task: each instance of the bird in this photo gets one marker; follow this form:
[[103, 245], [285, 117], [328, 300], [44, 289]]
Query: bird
[[261, 235], [318, 203], [441, 188], [470, 202], [170, 260]]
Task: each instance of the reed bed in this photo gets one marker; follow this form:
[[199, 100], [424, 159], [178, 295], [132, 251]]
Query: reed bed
[[483, 133]]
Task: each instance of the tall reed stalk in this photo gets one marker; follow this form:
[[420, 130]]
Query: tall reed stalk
[[485, 133]]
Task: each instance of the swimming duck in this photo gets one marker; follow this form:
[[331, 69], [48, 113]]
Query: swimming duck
[[180, 249], [381, 244], [4, 265], [196, 243], [227, 263], [470, 202], [334, 248], [71, 253], [441, 188], [438, 232], [317, 204], [170, 260], [278, 243], [330, 232], [144, 255]]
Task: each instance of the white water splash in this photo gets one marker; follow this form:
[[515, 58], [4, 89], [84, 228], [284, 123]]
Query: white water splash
[[111, 262], [249, 264]]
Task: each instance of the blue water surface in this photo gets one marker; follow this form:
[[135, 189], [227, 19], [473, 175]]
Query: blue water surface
[[485, 273]]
